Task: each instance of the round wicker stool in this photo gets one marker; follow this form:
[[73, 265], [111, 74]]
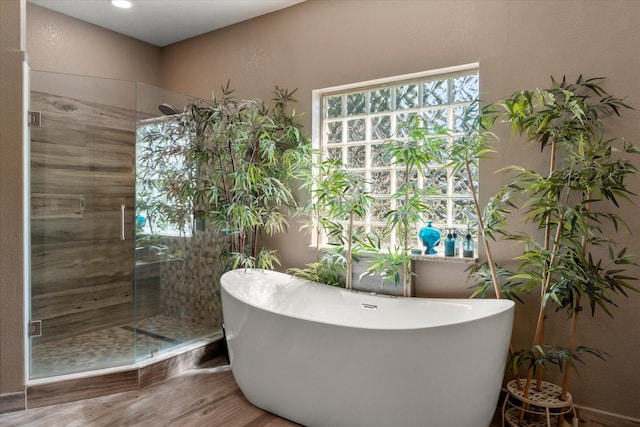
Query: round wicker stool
[[541, 407]]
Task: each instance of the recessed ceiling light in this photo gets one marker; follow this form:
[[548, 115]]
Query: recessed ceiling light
[[123, 4]]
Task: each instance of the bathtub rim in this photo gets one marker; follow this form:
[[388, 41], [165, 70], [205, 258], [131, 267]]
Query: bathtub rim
[[502, 305]]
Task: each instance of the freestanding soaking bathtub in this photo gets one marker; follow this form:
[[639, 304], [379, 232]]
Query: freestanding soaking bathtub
[[325, 356]]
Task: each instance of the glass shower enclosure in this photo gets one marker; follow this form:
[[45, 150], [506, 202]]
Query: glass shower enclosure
[[118, 272]]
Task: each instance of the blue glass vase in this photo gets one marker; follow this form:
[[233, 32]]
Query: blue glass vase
[[430, 238]]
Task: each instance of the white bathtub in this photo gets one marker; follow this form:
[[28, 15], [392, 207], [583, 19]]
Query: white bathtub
[[324, 356]]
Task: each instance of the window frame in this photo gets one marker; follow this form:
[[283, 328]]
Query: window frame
[[318, 122]]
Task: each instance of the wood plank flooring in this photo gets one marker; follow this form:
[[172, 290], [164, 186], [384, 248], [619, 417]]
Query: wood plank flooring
[[205, 396]]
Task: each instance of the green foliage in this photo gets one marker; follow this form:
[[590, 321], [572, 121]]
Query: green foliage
[[163, 175], [483, 278], [474, 145], [339, 198], [163, 179], [465, 154], [422, 148], [158, 246], [570, 251], [245, 154], [539, 357], [566, 112], [393, 266], [329, 269], [587, 178]]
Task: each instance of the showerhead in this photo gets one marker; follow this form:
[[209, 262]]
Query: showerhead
[[167, 109]]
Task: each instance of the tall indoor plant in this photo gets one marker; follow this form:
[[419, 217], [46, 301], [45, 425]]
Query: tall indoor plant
[[245, 154], [571, 257]]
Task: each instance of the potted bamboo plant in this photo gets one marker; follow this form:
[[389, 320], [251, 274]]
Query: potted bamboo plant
[[244, 155], [571, 257]]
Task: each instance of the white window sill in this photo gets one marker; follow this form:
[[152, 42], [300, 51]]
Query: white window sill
[[439, 257]]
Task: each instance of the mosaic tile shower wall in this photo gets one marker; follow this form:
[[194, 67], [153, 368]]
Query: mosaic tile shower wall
[[188, 285]]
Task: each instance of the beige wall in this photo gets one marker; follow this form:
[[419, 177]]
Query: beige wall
[[12, 132], [519, 44], [322, 43], [59, 43]]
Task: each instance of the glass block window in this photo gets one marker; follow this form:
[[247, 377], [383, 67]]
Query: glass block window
[[354, 124]]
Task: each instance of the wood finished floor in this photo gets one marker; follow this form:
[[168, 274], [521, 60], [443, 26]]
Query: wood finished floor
[[204, 396]]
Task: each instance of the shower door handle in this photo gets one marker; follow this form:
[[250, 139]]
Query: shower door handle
[[122, 209]]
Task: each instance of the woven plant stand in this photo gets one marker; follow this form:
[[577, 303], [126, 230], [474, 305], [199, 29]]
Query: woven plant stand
[[541, 408]]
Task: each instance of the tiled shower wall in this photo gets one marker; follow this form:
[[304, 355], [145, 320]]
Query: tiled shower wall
[[82, 171], [189, 288]]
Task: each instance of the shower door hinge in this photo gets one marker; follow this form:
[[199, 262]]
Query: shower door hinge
[[35, 118], [35, 328]]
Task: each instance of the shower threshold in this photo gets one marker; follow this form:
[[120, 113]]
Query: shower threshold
[[101, 382]]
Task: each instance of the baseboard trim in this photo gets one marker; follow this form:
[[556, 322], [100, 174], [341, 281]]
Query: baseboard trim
[[12, 402], [592, 416]]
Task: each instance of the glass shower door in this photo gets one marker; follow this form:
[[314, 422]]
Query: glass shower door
[[176, 263], [82, 233], [118, 272]]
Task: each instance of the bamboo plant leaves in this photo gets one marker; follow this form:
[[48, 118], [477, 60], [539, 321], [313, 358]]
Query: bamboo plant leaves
[[567, 214], [246, 153]]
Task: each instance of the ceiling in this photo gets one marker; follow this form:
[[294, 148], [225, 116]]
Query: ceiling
[[163, 22]]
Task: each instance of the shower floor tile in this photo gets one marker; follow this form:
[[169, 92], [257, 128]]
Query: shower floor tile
[[113, 346]]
